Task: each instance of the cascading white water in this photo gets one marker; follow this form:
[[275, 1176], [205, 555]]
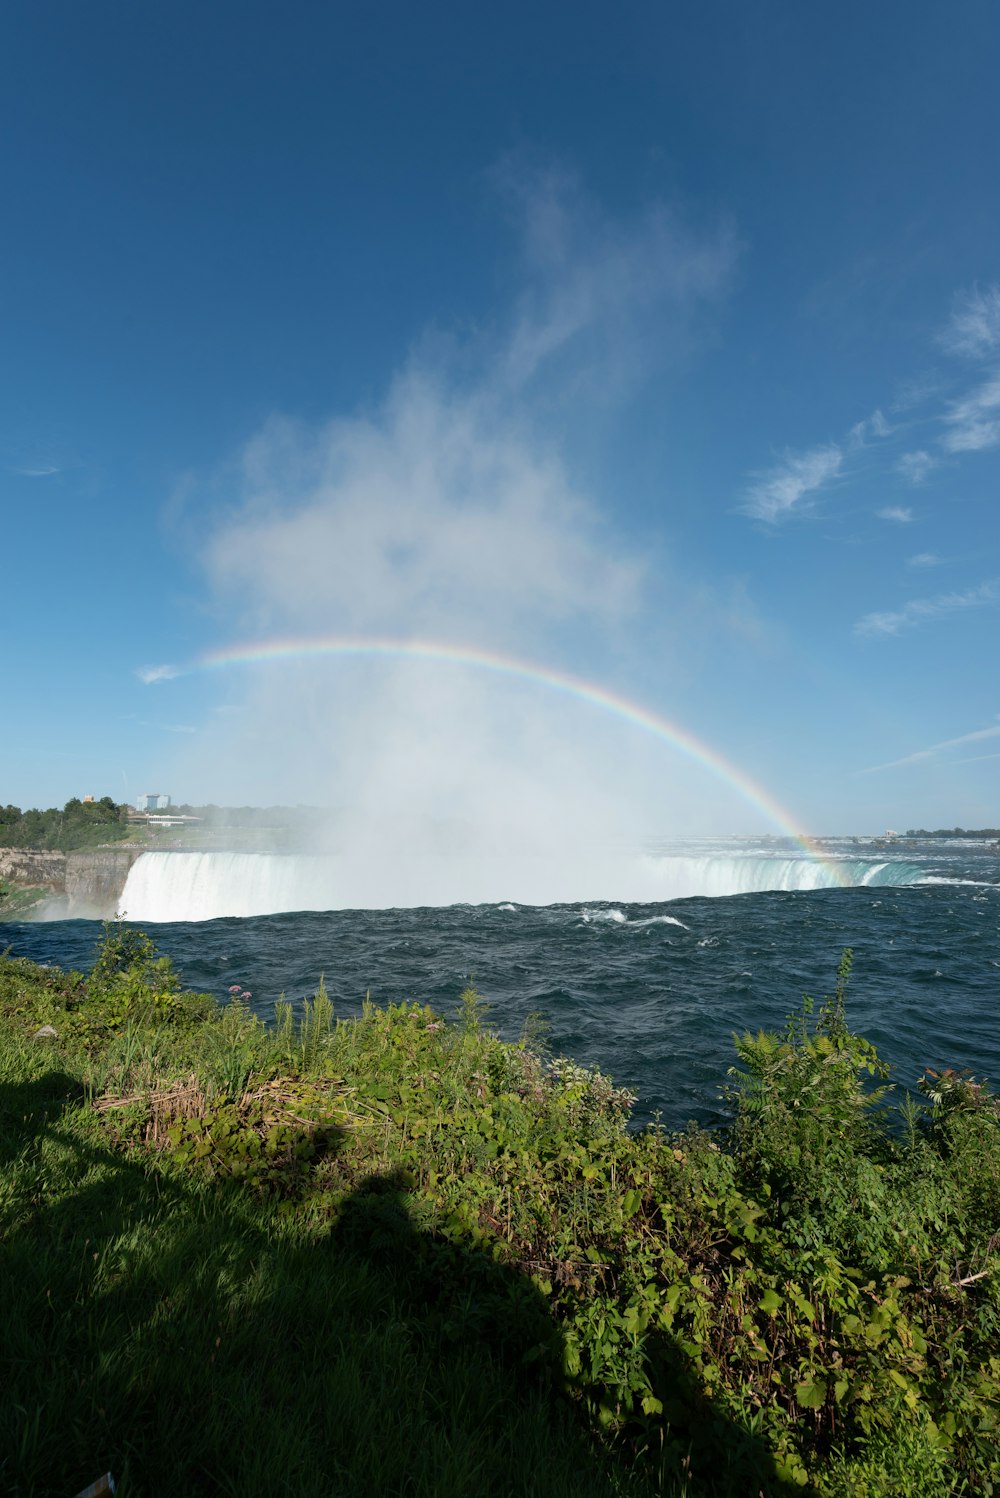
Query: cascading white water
[[203, 886]]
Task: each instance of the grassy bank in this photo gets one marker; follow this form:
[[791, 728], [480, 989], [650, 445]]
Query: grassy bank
[[19, 902], [395, 1255]]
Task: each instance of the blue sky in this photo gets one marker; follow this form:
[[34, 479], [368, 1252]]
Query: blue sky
[[653, 345]]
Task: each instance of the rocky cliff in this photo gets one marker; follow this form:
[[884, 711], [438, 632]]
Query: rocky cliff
[[86, 883], [27, 869], [96, 878]]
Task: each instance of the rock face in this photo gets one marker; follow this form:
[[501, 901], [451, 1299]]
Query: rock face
[[25, 867], [90, 880], [95, 878]]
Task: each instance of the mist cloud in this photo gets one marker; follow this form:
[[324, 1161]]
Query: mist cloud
[[439, 515], [438, 518], [449, 513]]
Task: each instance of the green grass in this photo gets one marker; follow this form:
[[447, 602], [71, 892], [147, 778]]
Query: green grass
[[394, 1255], [16, 902], [192, 1338]]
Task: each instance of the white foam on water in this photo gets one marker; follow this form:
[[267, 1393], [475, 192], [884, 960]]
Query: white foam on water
[[967, 883]]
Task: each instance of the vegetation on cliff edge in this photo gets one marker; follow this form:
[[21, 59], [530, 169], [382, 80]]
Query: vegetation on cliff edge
[[80, 824]]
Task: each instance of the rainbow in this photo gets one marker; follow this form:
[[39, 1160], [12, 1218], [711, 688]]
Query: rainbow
[[680, 738]]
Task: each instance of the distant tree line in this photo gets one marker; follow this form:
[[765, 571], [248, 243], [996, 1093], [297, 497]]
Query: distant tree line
[[954, 832], [80, 824]]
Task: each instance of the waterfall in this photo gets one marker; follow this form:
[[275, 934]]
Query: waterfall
[[204, 886]]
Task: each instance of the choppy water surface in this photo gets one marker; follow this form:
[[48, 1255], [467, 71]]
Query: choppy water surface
[[650, 992]]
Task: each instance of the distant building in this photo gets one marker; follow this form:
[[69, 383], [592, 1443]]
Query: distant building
[[152, 801], [88, 800]]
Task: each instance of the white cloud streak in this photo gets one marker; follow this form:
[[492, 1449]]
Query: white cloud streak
[[915, 466], [150, 674], [971, 423], [974, 420], [924, 559], [874, 425], [604, 299], [933, 750], [974, 329], [797, 477], [901, 514], [791, 485], [925, 610]]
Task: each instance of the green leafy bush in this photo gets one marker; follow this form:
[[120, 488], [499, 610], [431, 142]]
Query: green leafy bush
[[131, 981]]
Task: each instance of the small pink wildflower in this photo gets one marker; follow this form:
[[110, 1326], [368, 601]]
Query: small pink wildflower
[[234, 988], [246, 994]]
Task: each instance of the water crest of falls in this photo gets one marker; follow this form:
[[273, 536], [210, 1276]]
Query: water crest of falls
[[177, 886]]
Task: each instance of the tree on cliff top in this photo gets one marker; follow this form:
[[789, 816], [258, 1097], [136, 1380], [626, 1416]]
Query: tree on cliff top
[[80, 824]]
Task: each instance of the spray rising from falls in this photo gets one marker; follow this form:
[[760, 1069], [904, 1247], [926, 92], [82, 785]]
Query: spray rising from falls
[[204, 886]]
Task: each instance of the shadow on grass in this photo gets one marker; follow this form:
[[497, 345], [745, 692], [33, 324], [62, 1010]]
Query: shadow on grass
[[719, 1457], [191, 1337]]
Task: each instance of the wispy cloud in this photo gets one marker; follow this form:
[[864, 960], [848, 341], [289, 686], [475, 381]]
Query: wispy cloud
[[969, 422], [40, 472], [974, 420], [150, 674], [916, 391], [603, 298], [902, 514], [974, 328], [924, 559], [933, 750], [923, 610], [915, 466], [774, 494], [777, 492], [874, 425]]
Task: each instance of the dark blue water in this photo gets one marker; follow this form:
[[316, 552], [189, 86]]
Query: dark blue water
[[626, 987]]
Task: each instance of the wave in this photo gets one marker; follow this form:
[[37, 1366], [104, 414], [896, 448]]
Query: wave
[[179, 886], [966, 883], [619, 918]]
